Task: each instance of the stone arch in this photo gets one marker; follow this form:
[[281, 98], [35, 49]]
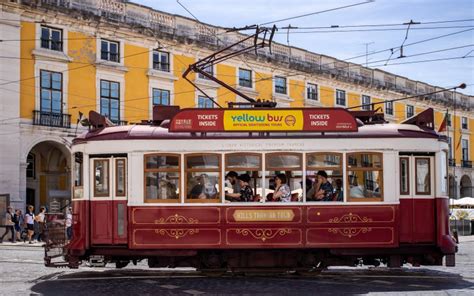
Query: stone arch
[[465, 186]]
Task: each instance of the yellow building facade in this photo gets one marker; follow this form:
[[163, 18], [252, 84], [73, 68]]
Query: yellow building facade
[[120, 59]]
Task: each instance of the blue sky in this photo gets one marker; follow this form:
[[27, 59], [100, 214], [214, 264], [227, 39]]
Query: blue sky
[[344, 45]]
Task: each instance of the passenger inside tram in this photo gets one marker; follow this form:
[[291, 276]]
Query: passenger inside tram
[[231, 177], [322, 189], [245, 193], [282, 190], [204, 188]]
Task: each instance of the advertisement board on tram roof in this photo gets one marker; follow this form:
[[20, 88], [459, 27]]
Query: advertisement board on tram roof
[[264, 120]]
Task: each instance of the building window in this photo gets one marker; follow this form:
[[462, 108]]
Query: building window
[[51, 92], [110, 100], [205, 102], [449, 120], [366, 103], [464, 123], [245, 78], [109, 51], [30, 169], [203, 177], [340, 97], [162, 177], [465, 149], [161, 96], [312, 92], [389, 108], [410, 111], [280, 85], [365, 176], [161, 61], [209, 70], [51, 38]]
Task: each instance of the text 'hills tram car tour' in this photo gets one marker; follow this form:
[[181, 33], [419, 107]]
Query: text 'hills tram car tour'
[[241, 188]]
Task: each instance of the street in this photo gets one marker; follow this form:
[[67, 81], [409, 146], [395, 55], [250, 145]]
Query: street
[[23, 273]]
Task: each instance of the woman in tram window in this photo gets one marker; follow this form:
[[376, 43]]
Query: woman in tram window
[[245, 194], [204, 188], [282, 190]]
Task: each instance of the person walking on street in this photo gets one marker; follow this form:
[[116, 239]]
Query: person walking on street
[[41, 220], [9, 225], [19, 224], [69, 224], [30, 223]]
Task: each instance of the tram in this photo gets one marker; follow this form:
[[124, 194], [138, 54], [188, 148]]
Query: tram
[[162, 190]]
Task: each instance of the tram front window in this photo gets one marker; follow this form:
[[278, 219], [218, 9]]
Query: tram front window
[[162, 178], [364, 176], [284, 177], [324, 177], [243, 177], [202, 177]]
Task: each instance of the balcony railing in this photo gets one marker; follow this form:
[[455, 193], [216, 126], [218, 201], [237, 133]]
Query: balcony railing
[[452, 162], [466, 164], [51, 119]]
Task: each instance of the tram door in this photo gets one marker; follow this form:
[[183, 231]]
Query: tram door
[[417, 198], [109, 200]]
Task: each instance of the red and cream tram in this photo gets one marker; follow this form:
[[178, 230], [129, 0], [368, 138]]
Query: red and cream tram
[[158, 191]]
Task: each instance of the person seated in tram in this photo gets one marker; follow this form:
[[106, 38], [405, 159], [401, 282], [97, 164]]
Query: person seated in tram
[[167, 190], [282, 190], [322, 189], [245, 194], [357, 191], [233, 180], [204, 189], [338, 194]]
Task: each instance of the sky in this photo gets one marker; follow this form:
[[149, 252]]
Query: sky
[[345, 45]]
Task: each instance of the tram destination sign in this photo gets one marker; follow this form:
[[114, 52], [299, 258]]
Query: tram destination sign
[[263, 120]]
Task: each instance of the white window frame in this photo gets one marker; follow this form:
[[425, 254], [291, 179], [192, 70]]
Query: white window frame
[[406, 110], [386, 108], [317, 91], [252, 83], [170, 69], [53, 66], [467, 123], [335, 97], [286, 87], [366, 108], [121, 44], [160, 84], [111, 76]]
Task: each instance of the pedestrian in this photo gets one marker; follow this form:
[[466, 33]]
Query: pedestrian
[[30, 222], [21, 223], [9, 225], [69, 224], [41, 220]]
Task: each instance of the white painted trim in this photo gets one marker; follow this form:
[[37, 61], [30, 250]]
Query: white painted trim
[[165, 85], [121, 43], [65, 37], [115, 77], [52, 66], [335, 97]]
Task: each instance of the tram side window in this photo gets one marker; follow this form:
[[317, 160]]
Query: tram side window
[[404, 176], [243, 177], [78, 175], [203, 175], [324, 178], [284, 177], [162, 177], [423, 176], [121, 177], [101, 173], [365, 176]]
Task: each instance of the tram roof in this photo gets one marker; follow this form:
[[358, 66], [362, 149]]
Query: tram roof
[[148, 132]]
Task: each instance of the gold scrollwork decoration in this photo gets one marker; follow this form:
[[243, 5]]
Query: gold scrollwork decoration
[[350, 218], [176, 219], [351, 231], [263, 234], [176, 233]]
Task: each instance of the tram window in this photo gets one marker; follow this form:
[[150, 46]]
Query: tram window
[[162, 177], [203, 177], [422, 175], [404, 176], [284, 177], [365, 176], [101, 173], [120, 177], [324, 178], [78, 175], [444, 172], [243, 166]]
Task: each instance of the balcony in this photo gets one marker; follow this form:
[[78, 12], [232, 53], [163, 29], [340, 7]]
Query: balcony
[[466, 163], [51, 119]]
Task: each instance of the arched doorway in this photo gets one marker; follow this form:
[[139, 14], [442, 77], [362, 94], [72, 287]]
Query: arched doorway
[[466, 186], [47, 176]]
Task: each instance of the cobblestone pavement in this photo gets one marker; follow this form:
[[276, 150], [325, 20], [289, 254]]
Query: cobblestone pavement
[[22, 273]]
